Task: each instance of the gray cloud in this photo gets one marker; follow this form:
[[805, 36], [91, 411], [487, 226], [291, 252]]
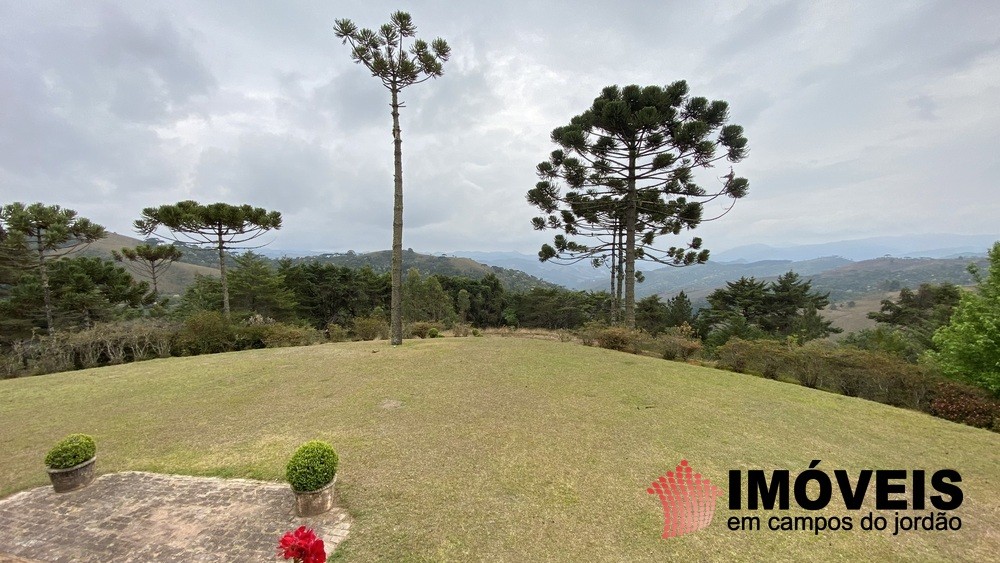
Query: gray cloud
[[863, 120]]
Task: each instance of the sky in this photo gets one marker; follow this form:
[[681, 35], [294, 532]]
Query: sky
[[864, 118]]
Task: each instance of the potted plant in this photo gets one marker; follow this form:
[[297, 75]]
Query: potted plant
[[70, 463], [312, 472]]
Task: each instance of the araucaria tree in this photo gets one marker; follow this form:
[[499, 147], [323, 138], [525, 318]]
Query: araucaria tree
[[385, 53], [625, 174], [219, 225], [149, 261], [47, 232]]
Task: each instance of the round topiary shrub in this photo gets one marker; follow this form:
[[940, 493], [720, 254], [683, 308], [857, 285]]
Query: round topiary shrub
[[71, 451], [312, 466]]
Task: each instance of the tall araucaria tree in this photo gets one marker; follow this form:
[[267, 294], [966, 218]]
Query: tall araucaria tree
[[385, 53], [149, 261], [625, 174], [47, 232], [218, 225]]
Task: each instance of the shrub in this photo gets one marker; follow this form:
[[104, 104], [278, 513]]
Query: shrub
[[476, 332], [621, 339], [589, 331], [371, 328], [676, 347], [206, 332], [336, 333], [312, 466], [460, 329], [433, 333], [420, 330], [71, 451], [965, 405]]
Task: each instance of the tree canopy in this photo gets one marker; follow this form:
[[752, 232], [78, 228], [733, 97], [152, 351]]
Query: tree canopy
[[624, 175], [219, 225], [969, 345], [48, 232]]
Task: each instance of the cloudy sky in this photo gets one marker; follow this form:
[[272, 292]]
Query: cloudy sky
[[864, 118]]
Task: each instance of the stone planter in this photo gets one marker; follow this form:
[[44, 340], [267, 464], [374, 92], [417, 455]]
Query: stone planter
[[314, 503], [73, 478]]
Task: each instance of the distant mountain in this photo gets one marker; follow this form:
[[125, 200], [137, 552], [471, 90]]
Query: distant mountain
[[891, 274], [700, 280], [912, 246], [575, 276]]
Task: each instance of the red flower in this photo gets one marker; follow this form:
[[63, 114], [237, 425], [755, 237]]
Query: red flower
[[303, 546]]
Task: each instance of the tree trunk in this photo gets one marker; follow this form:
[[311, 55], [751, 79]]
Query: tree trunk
[[396, 300], [222, 275], [50, 324], [631, 216]]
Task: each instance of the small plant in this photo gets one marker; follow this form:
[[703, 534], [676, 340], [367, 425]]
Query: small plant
[[433, 333], [476, 332], [372, 327], [71, 451], [303, 546], [420, 330], [336, 333], [312, 466]]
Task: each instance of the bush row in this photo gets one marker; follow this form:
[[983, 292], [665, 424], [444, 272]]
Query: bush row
[[859, 373]]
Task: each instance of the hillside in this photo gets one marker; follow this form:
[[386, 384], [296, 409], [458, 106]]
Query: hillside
[[175, 279], [204, 261], [507, 449]]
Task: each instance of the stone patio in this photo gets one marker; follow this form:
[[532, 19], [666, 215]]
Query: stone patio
[[134, 516]]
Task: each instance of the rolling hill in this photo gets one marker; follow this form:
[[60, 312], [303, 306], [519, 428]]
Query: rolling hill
[[509, 449]]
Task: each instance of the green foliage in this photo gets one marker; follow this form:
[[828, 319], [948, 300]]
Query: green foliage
[[433, 332], [217, 225], [969, 346], [557, 308], [426, 300], [47, 233], [421, 330], [71, 451], [888, 340], [274, 335], [82, 291], [312, 466], [748, 308], [256, 288], [336, 333], [149, 261], [627, 164], [206, 332], [327, 293], [371, 328]]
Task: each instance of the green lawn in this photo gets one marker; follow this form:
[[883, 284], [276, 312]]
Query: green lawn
[[503, 448]]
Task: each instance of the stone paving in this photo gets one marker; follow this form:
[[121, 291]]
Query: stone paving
[[134, 516]]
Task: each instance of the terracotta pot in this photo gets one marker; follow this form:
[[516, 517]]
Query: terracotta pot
[[73, 478], [313, 503]]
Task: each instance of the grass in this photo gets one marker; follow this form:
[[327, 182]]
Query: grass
[[503, 448]]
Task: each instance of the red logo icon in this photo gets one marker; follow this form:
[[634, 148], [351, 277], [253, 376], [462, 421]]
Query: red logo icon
[[688, 500]]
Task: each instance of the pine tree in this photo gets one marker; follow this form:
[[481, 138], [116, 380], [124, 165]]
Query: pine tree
[[386, 55], [628, 164]]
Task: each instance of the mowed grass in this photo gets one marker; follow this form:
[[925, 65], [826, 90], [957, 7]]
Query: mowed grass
[[504, 448]]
